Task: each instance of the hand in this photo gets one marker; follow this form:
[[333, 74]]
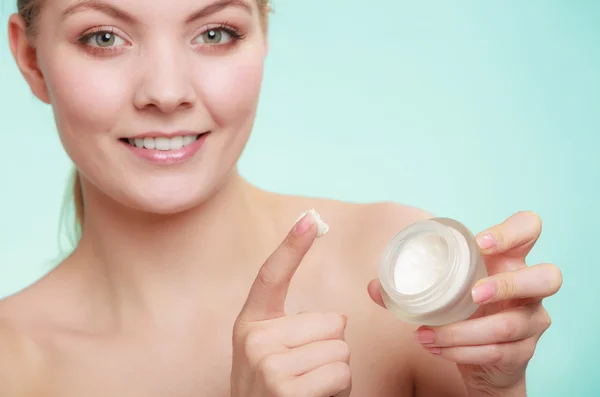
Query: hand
[[493, 347], [275, 355]]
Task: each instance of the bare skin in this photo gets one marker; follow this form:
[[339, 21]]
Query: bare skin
[[72, 342], [166, 292]]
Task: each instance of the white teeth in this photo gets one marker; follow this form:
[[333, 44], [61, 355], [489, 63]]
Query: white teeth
[[176, 143], [188, 139], [149, 143], [163, 143]]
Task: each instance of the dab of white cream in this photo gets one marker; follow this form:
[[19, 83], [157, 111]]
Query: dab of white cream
[[322, 227]]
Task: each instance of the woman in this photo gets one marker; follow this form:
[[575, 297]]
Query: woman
[[180, 284]]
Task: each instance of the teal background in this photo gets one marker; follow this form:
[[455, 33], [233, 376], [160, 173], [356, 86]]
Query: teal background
[[469, 109]]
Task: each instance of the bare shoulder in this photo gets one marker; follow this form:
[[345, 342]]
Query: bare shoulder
[[358, 232], [370, 222], [372, 226], [20, 358], [27, 319], [393, 213], [362, 230]]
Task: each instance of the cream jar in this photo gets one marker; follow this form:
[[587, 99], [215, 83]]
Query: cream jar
[[428, 270]]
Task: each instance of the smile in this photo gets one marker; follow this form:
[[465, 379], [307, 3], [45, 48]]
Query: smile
[[163, 143], [165, 150]]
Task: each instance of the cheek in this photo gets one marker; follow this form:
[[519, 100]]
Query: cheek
[[87, 95], [231, 89]]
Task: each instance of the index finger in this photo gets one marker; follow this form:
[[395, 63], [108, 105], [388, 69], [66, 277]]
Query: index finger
[[266, 299], [514, 237]]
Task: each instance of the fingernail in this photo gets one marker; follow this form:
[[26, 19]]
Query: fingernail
[[424, 336], [436, 351], [304, 224], [484, 292], [486, 241]]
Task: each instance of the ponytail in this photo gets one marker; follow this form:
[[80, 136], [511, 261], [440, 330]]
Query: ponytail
[[77, 200], [71, 217]]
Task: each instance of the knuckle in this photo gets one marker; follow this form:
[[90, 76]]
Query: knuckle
[[254, 345], [446, 335], [506, 330], [269, 367], [341, 350], [333, 322], [239, 327], [555, 278], [336, 321], [523, 354], [528, 353], [545, 319], [498, 234], [506, 287], [495, 354], [342, 375], [254, 338], [266, 277], [535, 220], [452, 333]]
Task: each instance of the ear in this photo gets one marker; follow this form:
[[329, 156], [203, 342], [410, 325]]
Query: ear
[[25, 55]]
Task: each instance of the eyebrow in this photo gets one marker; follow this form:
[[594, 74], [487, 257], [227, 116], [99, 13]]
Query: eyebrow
[[217, 6], [98, 5]]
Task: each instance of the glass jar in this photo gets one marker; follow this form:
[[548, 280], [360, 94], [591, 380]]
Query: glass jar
[[428, 270]]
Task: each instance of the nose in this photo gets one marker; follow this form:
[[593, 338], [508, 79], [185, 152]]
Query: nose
[[165, 82]]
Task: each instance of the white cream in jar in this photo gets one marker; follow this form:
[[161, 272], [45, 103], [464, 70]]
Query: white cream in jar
[[428, 270]]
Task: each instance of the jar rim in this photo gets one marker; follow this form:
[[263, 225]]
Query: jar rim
[[390, 252], [473, 248]]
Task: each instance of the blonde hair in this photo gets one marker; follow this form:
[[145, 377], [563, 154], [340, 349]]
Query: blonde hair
[[71, 215], [77, 192], [29, 11]]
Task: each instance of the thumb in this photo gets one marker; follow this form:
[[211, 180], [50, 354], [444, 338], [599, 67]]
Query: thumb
[[374, 290], [266, 299]]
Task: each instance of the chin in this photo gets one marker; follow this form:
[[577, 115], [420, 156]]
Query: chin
[[170, 200], [163, 205], [167, 207], [162, 196]]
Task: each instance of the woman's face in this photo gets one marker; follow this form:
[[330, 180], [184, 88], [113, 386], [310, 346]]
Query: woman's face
[[154, 100]]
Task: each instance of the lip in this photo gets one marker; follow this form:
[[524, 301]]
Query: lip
[[166, 157]]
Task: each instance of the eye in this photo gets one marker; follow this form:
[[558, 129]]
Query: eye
[[102, 39], [216, 36]]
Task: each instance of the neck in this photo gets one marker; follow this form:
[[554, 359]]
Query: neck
[[148, 260]]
